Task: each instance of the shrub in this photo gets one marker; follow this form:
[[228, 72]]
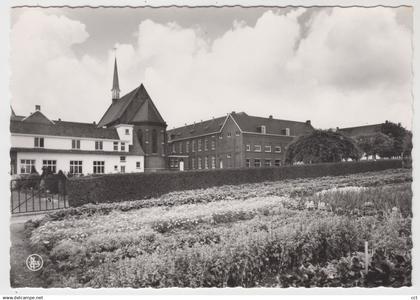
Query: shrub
[[124, 187]]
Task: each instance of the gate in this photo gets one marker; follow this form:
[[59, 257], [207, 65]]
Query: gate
[[34, 195]]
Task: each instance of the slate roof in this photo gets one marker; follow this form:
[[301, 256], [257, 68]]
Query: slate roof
[[136, 106], [63, 128], [245, 122], [361, 130]]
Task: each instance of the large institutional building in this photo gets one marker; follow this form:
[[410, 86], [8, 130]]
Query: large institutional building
[[237, 140], [130, 137]]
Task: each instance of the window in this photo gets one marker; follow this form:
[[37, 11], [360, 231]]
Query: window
[[267, 149], [248, 163], [98, 167], [75, 144], [229, 156], [213, 162], [51, 165], [173, 148], [267, 163], [248, 147], [257, 163], [287, 131], [278, 149], [127, 131], [193, 146], [138, 165], [122, 169], [206, 145], [213, 145], [115, 168], [237, 133], [277, 163], [199, 162], [206, 162], [98, 145], [199, 145], [147, 136], [122, 146], [257, 148], [76, 167], [154, 141], [39, 142], [27, 166], [115, 146], [193, 163], [122, 159], [229, 134], [187, 147], [221, 136], [180, 147], [263, 129]]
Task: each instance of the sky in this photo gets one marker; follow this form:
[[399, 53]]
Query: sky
[[337, 67]]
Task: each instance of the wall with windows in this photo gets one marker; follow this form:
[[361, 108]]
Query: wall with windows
[[64, 162], [64, 143]]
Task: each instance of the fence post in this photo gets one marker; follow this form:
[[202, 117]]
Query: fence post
[[366, 257]]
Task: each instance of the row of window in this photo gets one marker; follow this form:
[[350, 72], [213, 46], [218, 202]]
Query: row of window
[[75, 144], [27, 166], [267, 148], [257, 163]]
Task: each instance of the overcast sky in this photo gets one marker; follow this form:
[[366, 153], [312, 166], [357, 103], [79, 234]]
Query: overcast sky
[[333, 66]]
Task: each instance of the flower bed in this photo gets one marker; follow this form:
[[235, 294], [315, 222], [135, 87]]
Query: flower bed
[[249, 235]]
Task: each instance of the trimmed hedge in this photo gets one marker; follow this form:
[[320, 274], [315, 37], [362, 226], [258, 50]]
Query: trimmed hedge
[[135, 186]]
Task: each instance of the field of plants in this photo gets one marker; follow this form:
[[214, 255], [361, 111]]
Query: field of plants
[[292, 233]]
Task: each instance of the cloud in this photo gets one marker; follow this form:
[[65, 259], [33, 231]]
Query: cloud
[[348, 64]]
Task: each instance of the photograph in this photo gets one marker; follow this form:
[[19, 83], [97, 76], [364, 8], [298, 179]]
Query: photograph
[[210, 147]]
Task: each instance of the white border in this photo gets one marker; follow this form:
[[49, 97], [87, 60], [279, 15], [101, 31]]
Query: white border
[[5, 145]]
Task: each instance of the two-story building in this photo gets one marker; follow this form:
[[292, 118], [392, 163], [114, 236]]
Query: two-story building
[[130, 137], [234, 141]]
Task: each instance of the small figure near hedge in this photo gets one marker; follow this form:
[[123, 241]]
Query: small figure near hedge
[[322, 146]]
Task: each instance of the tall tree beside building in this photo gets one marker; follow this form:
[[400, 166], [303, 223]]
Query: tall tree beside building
[[398, 134], [322, 146], [374, 144]]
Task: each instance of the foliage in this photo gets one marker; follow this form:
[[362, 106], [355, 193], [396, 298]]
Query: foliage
[[374, 144], [398, 135], [123, 187], [321, 146], [250, 235]]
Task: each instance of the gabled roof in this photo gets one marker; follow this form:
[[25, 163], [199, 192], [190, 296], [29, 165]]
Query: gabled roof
[[249, 123], [37, 117], [136, 106], [198, 129], [62, 128], [361, 130], [246, 123]]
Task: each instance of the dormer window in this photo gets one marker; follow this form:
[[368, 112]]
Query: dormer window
[[39, 142], [127, 131], [285, 131], [75, 144], [261, 129], [99, 145]]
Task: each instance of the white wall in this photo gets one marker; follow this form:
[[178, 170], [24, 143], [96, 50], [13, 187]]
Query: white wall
[[128, 138], [63, 143], [63, 161]]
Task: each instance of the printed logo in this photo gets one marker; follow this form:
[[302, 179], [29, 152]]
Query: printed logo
[[34, 262]]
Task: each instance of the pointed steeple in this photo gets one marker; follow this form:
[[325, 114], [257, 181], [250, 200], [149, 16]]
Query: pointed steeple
[[115, 83]]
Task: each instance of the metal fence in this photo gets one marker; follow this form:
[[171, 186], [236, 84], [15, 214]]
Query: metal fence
[[37, 195]]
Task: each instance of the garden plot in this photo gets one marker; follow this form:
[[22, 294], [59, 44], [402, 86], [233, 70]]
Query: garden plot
[[249, 235]]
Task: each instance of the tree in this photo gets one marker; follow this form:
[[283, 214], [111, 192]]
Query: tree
[[408, 144], [374, 144], [397, 133], [321, 146]]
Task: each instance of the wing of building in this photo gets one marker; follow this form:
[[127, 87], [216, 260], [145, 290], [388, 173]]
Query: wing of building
[[234, 141], [130, 137]]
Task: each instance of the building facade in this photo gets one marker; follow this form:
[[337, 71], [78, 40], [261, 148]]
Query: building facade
[[237, 140], [130, 137]]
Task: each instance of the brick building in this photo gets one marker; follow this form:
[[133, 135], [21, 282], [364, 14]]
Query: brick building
[[237, 140]]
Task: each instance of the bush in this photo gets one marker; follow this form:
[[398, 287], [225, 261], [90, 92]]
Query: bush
[[135, 186]]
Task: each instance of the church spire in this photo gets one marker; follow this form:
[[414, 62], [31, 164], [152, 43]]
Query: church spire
[[115, 83]]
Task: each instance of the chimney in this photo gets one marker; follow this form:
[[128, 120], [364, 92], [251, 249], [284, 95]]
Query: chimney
[[308, 122], [59, 119], [94, 123], [270, 116], [37, 107]]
